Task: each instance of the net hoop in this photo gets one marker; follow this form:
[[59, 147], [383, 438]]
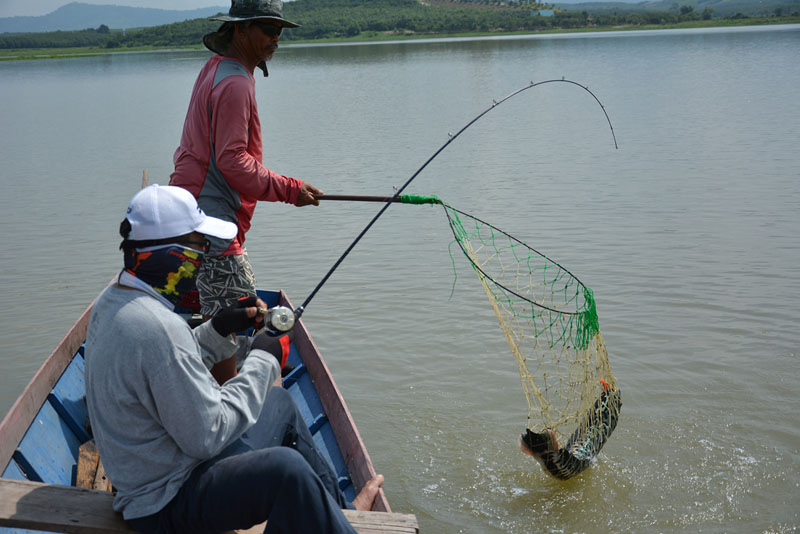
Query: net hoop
[[583, 323], [459, 231]]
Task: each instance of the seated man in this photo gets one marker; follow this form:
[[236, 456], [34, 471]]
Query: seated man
[[184, 453]]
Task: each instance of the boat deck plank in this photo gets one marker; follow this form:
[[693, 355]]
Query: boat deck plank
[[69, 397]]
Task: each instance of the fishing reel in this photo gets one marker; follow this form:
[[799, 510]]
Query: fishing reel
[[279, 320]]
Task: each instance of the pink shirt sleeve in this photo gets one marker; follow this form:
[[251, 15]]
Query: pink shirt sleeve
[[234, 115]]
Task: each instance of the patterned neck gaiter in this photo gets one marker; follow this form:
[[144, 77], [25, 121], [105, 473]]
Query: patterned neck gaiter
[[169, 269]]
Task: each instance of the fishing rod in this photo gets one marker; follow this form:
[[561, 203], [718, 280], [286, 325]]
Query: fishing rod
[[403, 199], [282, 319], [358, 198]]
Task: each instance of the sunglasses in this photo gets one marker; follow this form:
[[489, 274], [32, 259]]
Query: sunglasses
[[269, 29]]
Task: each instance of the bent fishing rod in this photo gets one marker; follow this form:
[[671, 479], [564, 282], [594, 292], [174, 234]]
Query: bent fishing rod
[[282, 318]]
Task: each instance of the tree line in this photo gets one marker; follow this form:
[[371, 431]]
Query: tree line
[[325, 19]]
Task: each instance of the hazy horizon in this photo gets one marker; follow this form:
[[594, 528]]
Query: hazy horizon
[[26, 8]]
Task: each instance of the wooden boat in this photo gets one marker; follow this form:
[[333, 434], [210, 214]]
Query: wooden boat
[[41, 435]]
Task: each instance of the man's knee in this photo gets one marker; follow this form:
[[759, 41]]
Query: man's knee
[[280, 410], [278, 424], [285, 466], [280, 397]]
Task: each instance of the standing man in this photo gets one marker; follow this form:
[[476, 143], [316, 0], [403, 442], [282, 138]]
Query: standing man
[[185, 453], [219, 159]]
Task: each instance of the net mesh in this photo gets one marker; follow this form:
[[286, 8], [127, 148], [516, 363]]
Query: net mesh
[[550, 321]]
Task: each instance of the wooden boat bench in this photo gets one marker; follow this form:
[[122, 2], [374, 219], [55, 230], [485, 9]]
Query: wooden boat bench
[[72, 510]]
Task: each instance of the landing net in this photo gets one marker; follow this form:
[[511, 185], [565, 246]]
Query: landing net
[[550, 321]]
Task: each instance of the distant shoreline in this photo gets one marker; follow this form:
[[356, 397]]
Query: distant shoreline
[[364, 37]]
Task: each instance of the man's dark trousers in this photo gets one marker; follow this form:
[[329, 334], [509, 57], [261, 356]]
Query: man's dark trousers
[[273, 473]]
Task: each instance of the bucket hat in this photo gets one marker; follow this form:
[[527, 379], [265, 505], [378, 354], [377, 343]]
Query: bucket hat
[[256, 9], [242, 10]]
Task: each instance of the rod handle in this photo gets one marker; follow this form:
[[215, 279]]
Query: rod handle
[[358, 198]]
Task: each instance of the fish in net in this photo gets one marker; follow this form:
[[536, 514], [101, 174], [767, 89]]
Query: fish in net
[[549, 319]]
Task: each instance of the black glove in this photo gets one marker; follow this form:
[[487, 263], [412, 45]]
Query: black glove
[[234, 318], [278, 346]]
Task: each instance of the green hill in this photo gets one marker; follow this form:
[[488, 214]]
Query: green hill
[[381, 19], [719, 8]]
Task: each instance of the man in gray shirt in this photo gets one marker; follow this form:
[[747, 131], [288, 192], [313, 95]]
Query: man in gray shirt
[[184, 453]]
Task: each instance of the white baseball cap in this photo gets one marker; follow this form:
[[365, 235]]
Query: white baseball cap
[[159, 212]]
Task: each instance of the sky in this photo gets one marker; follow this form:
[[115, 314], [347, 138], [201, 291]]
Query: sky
[[35, 8]]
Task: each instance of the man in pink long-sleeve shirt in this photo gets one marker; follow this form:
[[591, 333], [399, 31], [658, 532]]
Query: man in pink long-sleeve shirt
[[219, 159]]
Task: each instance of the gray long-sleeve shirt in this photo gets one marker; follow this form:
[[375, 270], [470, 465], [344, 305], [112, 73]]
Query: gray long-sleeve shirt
[[155, 410]]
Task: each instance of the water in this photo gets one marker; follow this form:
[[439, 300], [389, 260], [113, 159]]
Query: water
[[687, 234]]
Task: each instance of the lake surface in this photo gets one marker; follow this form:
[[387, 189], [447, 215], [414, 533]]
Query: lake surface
[[688, 235]]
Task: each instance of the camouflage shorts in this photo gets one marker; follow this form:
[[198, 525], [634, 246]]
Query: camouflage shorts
[[223, 279]]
